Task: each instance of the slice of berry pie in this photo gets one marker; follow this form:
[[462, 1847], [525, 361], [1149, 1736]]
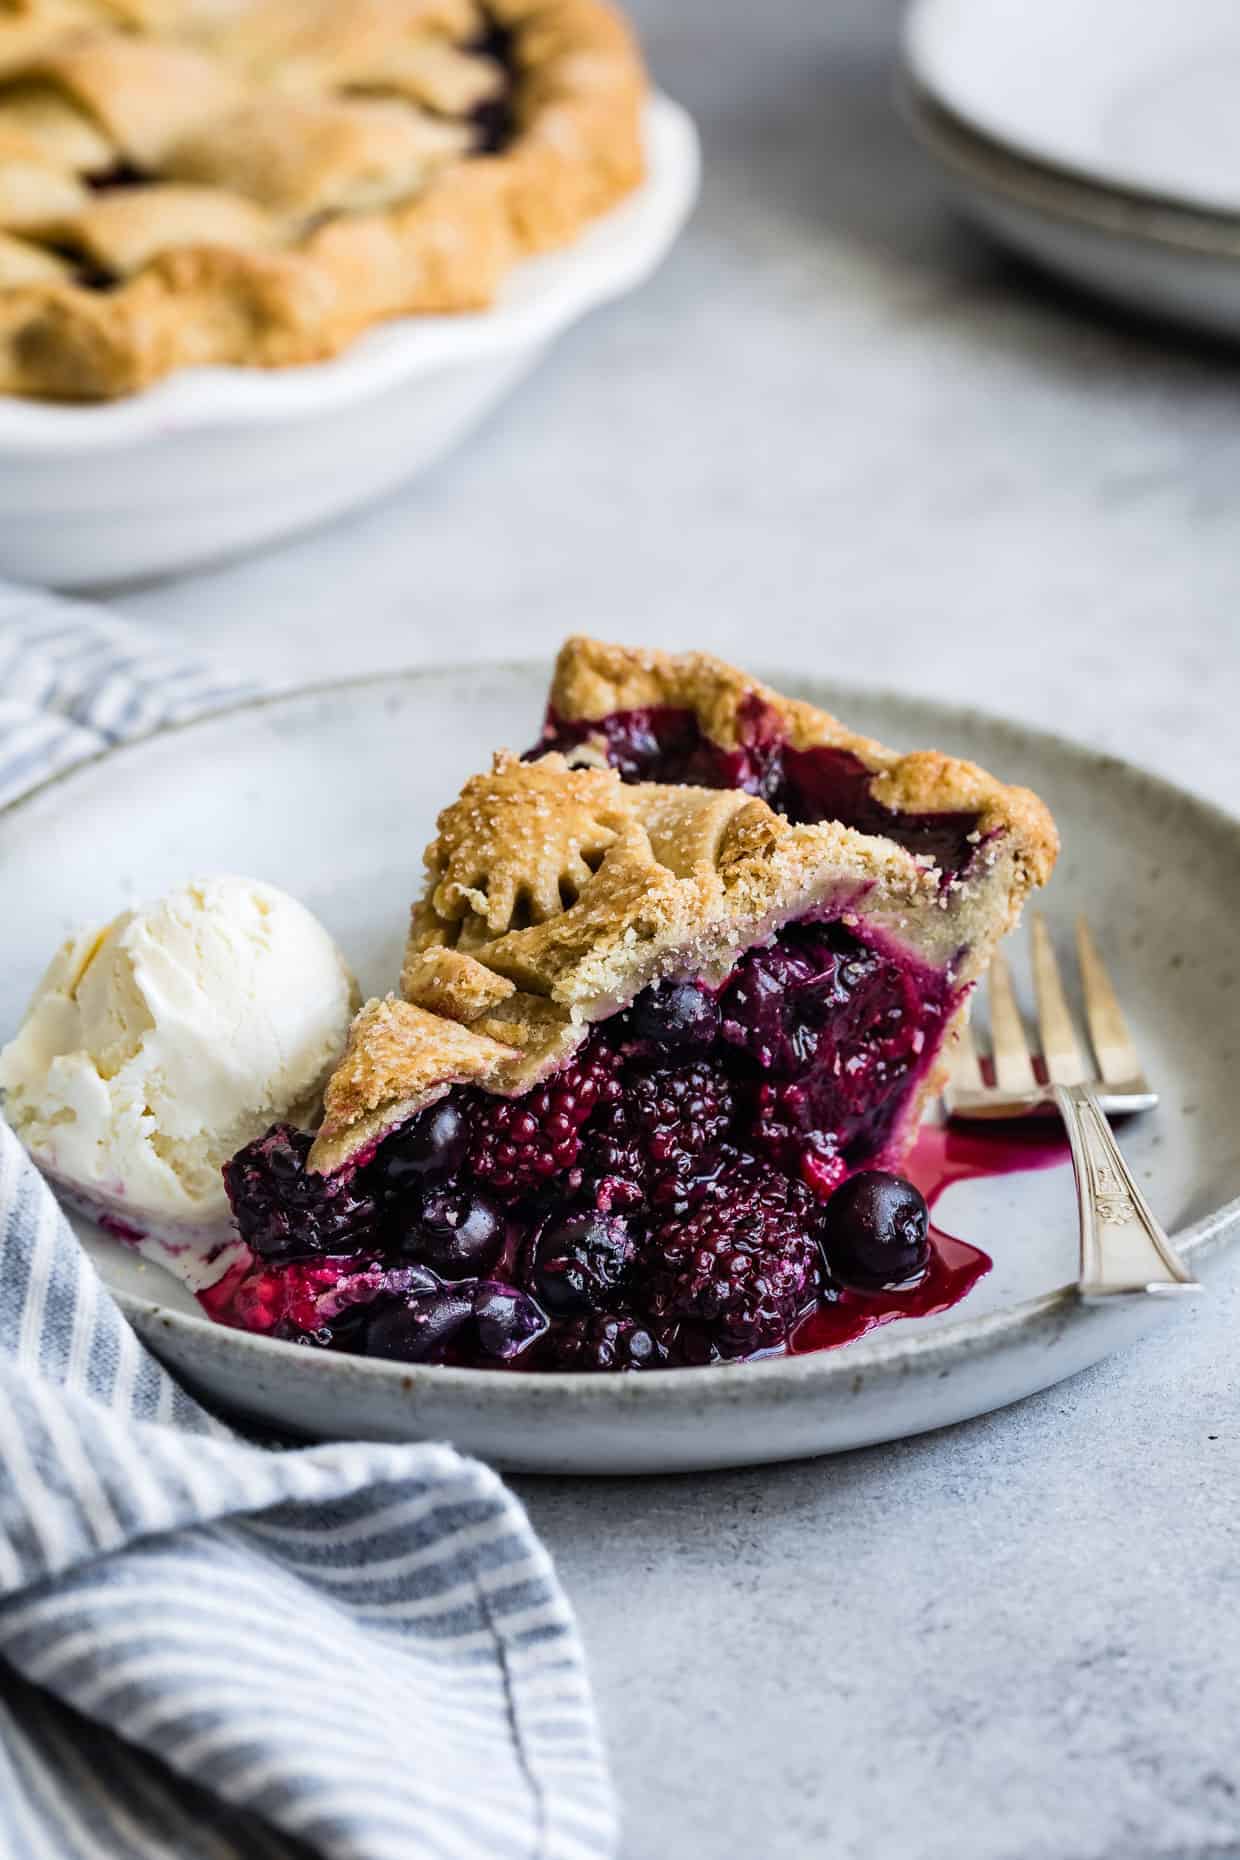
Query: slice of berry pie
[[652, 1016]]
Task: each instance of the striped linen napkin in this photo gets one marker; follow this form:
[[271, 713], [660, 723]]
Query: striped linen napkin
[[209, 1649]]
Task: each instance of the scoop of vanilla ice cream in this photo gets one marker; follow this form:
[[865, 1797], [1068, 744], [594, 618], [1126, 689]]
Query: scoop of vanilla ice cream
[[156, 1047]]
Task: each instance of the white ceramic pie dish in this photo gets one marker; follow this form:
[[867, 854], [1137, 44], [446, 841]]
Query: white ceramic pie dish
[[217, 460], [289, 789]]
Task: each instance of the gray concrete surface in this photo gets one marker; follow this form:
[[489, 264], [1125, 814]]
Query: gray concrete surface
[[838, 430]]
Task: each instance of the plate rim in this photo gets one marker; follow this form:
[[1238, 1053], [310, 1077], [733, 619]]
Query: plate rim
[[1061, 193], [889, 1349], [226, 399], [1038, 157]]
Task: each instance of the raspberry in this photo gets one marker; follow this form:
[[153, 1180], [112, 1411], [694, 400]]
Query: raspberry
[[520, 1145], [609, 1340], [283, 1211], [306, 1296], [744, 1262]]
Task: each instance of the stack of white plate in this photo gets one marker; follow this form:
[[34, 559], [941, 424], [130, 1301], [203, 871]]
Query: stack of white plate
[[1101, 138]]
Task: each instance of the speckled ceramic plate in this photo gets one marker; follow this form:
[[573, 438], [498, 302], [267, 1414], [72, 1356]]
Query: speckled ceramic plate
[[332, 794]]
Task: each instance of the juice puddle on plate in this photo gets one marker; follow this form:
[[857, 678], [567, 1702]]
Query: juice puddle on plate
[[943, 1154]]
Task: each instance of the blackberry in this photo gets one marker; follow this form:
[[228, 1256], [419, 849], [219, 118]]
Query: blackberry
[[521, 1145], [743, 1263], [610, 1340], [283, 1211], [680, 1116]]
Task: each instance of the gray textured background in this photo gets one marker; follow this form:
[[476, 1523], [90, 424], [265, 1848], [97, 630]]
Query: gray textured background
[[837, 430]]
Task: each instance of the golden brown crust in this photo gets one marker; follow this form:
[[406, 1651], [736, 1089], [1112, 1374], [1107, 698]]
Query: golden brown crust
[[124, 231], [145, 95], [556, 893], [23, 263], [593, 679], [526, 837], [303, 157], [295, 109], [443, 981], [34, 192], [396, 1048], [682, 880]]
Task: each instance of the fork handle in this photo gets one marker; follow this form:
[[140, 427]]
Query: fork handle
[[1124, 1251]]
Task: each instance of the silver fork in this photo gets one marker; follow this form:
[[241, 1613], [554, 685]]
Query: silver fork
[[1124, 1250]]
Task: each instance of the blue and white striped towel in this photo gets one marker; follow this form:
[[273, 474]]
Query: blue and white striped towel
[[209, 1649]]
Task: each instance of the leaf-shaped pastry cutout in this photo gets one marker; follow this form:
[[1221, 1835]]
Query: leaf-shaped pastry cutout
[[522, 843], [633, 903]]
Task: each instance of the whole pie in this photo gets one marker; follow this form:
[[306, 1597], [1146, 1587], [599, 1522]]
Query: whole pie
[[256, 181], [674, 978]]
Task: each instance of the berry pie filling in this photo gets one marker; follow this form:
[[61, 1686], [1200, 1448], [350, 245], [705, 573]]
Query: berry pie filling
[[670, 1196], [663, 743]]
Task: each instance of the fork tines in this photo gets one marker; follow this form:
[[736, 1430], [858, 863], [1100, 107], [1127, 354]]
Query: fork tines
[[1019, 1081]]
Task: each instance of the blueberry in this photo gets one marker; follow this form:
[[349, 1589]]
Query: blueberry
[[678, 1015], [875, 1231], [579, 1261], [508, 1320], [456, 1231], [410, 1282], [412, 1330], [432, 1145]]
